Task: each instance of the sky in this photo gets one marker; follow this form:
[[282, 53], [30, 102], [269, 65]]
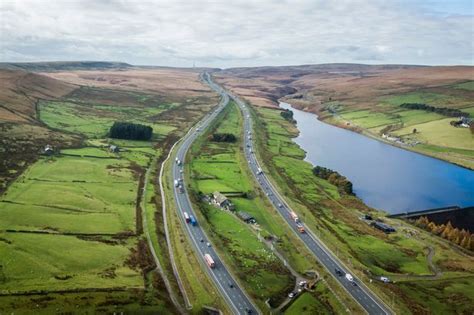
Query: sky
[[236, 33]]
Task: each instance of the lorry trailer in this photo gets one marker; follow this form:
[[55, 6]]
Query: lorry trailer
[[209, 261]]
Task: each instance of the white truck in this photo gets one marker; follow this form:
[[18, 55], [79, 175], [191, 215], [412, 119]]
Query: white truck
[[209, 261]]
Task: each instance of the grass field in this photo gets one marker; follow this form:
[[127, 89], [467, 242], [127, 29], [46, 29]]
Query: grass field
[[441, 133], [96, 120], [335, 218]]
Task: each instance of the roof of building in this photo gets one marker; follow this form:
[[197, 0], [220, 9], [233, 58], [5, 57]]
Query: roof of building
[[220, 198], [383, 226], [245, 216]]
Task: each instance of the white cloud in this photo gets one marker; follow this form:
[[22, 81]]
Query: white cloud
[[244, 33]]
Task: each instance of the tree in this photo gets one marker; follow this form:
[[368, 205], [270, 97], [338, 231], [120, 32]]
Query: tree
[[453, 235], [414, 130], [223, 137], [130, 131], [432, 227], [447, 230], [287, 114], [465, 242], [471, 127]]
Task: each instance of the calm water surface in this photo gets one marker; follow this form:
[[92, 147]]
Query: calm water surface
[[384, 177]]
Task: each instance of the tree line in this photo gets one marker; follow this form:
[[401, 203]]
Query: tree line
[[222, 137], [287, 114], [450, 112], [334, 178], [461, 237], [130, 131]]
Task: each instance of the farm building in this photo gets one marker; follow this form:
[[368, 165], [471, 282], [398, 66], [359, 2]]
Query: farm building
[[222, 201], [246, 217], [382, 227], [48, 150]]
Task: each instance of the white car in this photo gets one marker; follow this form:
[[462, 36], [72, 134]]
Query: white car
[[385, 279], [349, 277], [291, 295]]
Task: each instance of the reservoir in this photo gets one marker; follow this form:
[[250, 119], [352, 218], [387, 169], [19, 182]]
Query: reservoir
[[383, 176]]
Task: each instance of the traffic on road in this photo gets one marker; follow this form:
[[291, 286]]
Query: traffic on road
[[238, 301]]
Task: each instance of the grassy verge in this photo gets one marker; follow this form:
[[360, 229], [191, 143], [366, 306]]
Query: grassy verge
[[335, 218]]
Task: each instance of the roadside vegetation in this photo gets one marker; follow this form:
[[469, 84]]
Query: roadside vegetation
[[410, 257]]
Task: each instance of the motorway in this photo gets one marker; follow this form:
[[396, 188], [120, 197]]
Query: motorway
[[234, 295], [356, 288]]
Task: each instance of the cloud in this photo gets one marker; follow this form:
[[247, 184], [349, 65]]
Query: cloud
[[241, 33]]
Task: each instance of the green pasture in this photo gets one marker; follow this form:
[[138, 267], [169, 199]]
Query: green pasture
[[465, 86], [441, 133], [95, 120], [60, 262], [72, 194]]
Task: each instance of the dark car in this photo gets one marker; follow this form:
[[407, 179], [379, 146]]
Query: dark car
[[231, 285], [338, 272]]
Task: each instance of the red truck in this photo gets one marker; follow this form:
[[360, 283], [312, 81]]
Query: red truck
[[209, 261], [300, 227]]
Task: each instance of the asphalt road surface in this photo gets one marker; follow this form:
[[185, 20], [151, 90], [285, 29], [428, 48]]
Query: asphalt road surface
[[355, 288], [238, 301]]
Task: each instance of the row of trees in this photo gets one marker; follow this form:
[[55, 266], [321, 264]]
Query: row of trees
[[287, 114], [130, 131], [334, 178], [462, 237], [450, 112], [223, 137]]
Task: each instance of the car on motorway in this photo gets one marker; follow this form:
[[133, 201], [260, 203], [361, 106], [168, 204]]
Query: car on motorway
[[339, 272], [231, 285], [280, 205], [349, 277], [302, 283], [208, 244], [291, 295]]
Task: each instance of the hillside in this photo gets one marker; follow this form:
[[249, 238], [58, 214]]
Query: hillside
[[367, 99], [63, 65], [22, 135]]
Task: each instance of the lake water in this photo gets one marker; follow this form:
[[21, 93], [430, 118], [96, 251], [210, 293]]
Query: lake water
[[383, 176]]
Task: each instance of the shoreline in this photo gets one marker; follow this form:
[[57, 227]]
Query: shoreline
[[368, 134]]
